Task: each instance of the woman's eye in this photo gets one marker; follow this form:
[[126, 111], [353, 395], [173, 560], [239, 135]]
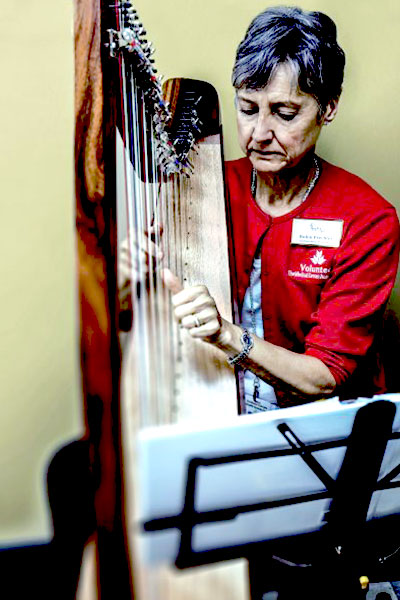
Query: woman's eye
[[286, 116], [249, 111]]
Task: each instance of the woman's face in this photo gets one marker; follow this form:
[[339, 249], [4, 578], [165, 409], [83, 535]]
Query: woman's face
[[278, 125]]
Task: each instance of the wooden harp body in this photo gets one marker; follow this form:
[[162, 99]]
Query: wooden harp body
[[198, 383]]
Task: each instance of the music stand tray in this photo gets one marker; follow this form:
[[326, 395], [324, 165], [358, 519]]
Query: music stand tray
[[208, 493]]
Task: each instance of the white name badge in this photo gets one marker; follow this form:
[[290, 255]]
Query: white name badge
[[317, 232]]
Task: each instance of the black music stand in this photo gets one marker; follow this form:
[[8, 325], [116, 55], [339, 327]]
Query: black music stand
[[344, 549]]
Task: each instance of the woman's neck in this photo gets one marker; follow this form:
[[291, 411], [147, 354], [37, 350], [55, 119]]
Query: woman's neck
[[278, 194]]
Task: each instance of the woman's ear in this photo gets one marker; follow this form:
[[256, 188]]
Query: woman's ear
[[330, 112]]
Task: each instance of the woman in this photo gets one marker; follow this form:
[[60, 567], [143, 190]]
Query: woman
[[316, 248]]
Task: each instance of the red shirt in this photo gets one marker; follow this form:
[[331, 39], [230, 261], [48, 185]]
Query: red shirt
[[323, 301]]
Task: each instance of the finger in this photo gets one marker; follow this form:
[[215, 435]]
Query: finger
[[171, 281], [142, 252], [149, 248], [124, 272], [137, 242], [153, 250], [198, 294], [207, 330], [152, 231], [155, 232], [126, 266], [199, 304], [192, 320]]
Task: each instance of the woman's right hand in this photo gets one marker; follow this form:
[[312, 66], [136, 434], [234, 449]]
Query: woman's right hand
[[138, 257]]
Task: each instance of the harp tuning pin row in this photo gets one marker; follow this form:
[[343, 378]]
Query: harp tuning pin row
[[148, 48], [196, 123], [127, 35], [137, 26]]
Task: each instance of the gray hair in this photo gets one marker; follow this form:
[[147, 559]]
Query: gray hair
[[304, 40]]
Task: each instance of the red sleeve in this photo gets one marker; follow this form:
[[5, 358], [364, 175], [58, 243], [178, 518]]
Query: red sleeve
[[354, 297]]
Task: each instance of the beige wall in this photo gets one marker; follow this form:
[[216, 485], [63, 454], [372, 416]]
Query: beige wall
[[39, 375], [193, 38]]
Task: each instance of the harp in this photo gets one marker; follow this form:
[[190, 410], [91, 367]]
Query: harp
[[120, 112]]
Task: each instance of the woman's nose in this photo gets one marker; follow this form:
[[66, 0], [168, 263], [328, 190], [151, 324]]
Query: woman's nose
[[263, 130]]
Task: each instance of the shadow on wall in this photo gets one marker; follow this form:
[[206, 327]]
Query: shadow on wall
[[52, 570]]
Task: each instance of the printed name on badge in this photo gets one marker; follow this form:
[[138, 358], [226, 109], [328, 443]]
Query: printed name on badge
[[317, 232]]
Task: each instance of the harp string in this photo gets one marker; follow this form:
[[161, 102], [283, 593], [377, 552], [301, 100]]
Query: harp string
[[168, 203], [153, 326], [151, 206], [133, 203], [155, 216]]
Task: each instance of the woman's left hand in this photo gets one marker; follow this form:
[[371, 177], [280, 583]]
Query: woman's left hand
[[194, 308]]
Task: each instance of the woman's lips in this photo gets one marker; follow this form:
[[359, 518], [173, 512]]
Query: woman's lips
[[268, 152]]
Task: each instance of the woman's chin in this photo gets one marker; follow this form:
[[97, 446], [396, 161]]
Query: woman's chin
[[272, 163]]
